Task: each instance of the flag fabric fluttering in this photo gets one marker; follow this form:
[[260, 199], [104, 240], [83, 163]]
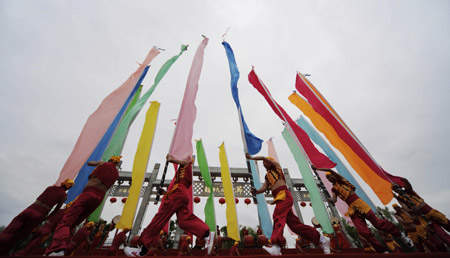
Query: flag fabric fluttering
[[231, 213], [82, 177], [317, 158], [210, 214], [340, 167], [320, 212], [322, 107], [253, 143], [116, 145], [181, 147], [98, 122], [140, 164]]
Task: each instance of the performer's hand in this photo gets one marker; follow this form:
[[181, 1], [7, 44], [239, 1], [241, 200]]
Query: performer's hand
[[248, 156], [161, 191], [331, 201], [313, 167], [253, 191]]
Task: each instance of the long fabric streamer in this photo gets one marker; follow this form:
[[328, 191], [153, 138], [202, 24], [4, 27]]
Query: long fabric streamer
[[321, 106], [317, 158], [253, 143], [97, 154], [210, 214], [140, 164], [340, 167], [181, 147], [231, 213], [320, 212], [116, 145], [98, 122]]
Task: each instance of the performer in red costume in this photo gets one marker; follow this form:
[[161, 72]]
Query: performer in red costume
[[283, 214], [359, 211], [118, 240], [234, 251], [44, 232], [24, 223], [175, 201], [81, 238], [184, 248], [100, 180], [97, 237]]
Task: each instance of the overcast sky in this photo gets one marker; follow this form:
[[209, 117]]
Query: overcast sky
[[382, 65]]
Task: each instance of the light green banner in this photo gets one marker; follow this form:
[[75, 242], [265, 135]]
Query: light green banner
[[210, 214], [320, 212]]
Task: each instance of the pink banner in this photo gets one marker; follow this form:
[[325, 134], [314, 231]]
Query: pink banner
[[99, 121], [181, 147], [317, 158], [271, 150]]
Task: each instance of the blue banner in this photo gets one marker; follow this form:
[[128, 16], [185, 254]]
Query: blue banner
[[253, 143]]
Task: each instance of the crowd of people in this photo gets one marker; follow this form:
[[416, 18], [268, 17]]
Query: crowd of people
[[426, 228]]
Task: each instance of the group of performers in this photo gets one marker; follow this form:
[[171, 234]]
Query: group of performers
[[426, 227]]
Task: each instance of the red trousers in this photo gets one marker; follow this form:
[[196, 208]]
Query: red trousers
[[41, 234], [176, 203], [87, 202], [22, 225], [283, 215], [359, 220]]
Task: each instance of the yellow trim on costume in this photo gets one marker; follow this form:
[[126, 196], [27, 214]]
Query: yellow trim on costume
[[281, 196], [358, 206]]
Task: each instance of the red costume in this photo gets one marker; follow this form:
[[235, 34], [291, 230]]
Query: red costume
[[359, 211], [79, 239], [234, 251], [42, 233], [24, 223], [176, 201], [338, 241], [184, 248], [83, 206], [118, 240], [283, 214]]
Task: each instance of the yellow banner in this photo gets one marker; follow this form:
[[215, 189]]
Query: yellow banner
[[140, 166], [381, 187], [232, 220]]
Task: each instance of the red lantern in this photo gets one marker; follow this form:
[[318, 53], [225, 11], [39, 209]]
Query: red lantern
[[236, 200], [124, 200], [247, 201], [113, 200], [310, 204], [222, 200], [196, 199], [303, 204]]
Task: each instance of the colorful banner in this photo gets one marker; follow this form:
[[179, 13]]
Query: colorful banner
[[82, 177], [317, 101], [116, 145], [210, 214], [340, 167], [253, 143], [231, 213], [140, 164], [317, 158], [98, 123], [181, 147], [320, 212], [136, 97], [378, 184]]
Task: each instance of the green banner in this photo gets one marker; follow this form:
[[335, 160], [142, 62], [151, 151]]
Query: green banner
[[210, 215], [320, 212]]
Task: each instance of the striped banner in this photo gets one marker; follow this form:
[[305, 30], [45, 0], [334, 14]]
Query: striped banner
[[372, 170]]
